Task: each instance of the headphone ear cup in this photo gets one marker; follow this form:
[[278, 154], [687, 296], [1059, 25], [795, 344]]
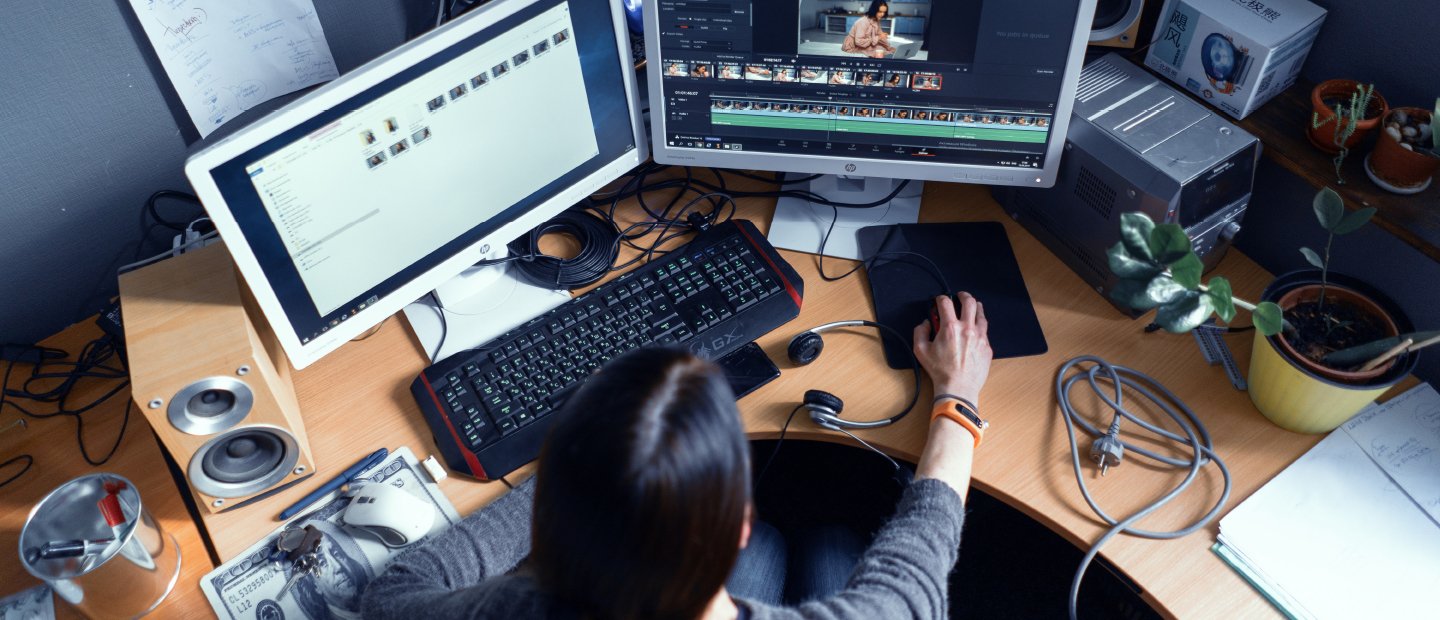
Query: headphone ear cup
[[805, 348], [824, 408]]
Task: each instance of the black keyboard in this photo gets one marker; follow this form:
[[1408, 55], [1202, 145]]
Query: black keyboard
[[490, 408]]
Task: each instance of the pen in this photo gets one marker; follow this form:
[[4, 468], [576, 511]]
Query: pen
[[338, 481]]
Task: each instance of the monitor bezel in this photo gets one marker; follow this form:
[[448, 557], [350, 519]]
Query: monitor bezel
[[1043, 177], [200, 166]]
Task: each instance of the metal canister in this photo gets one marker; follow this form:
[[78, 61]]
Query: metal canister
[[117, 569]]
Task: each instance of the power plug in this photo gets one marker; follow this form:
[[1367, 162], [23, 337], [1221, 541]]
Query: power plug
[[1107, 452]]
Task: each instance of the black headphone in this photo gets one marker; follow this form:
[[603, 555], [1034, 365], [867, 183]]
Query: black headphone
[[824, 408]]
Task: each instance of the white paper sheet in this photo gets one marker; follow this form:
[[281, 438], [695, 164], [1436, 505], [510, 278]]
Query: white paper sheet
[[1339, 538], [1402, 436], [225, 57]]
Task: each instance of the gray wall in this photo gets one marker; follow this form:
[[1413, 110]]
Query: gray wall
[[1393, 43], [89, 134]]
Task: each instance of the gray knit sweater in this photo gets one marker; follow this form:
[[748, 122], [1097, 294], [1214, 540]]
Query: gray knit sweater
[[463, 573]]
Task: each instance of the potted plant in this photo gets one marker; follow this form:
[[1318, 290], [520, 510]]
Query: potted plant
[[1310, 326], [1343, 112], [1408, 151]]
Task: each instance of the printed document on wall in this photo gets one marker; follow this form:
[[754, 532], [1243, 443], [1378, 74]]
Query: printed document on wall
[[226, 57]]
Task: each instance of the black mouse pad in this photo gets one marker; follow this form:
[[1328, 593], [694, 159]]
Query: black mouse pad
[[972, 256]]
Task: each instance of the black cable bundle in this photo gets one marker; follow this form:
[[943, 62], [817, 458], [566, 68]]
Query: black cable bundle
[[599, 246], [53, 382]]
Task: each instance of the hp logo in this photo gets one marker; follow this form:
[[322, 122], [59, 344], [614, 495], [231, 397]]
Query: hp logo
[[849, 167]]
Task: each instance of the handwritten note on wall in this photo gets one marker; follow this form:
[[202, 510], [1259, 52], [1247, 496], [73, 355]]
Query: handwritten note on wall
[[224, 57], [1402, 436]]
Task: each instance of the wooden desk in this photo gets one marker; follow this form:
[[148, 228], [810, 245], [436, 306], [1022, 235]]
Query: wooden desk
[[52, 443], [358, 399]]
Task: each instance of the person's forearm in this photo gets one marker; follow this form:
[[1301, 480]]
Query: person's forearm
[[486, 544], [948, 454]]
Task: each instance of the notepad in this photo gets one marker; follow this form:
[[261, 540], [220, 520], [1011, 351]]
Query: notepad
[[1338, 534]]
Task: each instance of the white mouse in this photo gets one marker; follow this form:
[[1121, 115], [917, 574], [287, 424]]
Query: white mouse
[[394, 516]]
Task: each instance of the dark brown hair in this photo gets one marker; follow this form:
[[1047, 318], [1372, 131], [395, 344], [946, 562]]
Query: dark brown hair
[[642, 490]]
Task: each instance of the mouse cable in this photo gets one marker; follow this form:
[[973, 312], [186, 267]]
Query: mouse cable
[[1108, 449], [869, 263]]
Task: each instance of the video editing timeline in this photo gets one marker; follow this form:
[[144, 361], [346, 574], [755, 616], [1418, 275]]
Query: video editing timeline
[[994, 78], [885, 120], [332, 193]]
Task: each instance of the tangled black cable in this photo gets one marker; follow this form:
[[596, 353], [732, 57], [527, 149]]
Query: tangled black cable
[[599, 246], [93, 362]]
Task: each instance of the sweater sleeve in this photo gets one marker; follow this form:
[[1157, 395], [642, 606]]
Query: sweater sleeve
[[486, 544], [904, 573]]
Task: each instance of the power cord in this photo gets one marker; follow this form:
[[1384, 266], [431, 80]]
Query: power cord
[[1108, 450]]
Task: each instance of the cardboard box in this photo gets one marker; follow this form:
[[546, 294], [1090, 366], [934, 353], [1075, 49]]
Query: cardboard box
[[1234, 54]]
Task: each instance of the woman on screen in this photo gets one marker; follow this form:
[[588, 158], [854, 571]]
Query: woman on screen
[[642, 508], [866, 37]]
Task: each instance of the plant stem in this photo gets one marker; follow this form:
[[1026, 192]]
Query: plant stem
[[1325, 271], [1249, 307]]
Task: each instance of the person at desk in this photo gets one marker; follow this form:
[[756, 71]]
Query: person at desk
[[641, 507], [866, 37]]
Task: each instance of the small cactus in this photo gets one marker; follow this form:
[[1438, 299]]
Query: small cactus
[[1345, 119]]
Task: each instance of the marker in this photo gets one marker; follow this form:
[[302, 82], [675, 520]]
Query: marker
[[335, 483]]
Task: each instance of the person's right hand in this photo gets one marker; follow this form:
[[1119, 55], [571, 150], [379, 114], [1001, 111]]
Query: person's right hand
[[958, 358]]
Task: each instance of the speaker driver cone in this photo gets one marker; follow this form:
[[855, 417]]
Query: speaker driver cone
[[1113, 18], [243, 461], [210, 405]]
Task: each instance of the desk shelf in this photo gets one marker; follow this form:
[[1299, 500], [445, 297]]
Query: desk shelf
[[1281, 124]]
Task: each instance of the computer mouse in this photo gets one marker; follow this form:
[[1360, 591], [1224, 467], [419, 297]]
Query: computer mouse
[[394, 516]]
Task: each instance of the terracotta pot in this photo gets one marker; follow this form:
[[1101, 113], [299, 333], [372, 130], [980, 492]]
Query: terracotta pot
[[1335, 293], [1323, 137], [1397, 165]]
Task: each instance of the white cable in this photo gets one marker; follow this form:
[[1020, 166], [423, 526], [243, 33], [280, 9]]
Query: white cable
[[1196, 437], [867, 445], [168, 253]]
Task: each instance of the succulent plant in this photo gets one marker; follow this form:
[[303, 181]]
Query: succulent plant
[[1346, 118]]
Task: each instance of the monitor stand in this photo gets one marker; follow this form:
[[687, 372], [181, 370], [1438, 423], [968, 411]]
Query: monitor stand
[[479, 304], [799, 224]]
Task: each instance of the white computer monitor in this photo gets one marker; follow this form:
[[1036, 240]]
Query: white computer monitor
[[975, 91], [373, 190]]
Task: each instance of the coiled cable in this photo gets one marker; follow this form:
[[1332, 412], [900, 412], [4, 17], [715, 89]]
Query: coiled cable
[[1196, 437], [599, 246]]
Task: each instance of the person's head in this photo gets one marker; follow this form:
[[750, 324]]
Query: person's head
[[878, 9], [643, 490]]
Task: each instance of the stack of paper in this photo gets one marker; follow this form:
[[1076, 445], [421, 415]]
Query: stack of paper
[[1352, 528]]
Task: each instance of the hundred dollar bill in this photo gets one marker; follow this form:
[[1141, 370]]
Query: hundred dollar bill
[[248, 585], [33, 604]]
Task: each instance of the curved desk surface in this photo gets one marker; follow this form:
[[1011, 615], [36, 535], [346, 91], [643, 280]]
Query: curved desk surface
[[358, 399]]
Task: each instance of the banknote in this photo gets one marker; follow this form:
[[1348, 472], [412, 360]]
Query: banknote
[[249, 585], [33, 604]]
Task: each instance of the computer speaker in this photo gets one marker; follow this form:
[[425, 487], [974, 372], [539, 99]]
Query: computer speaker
[[1116, 23], [213, 384]]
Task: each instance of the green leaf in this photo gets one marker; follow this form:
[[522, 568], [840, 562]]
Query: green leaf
[[1130, 268], [1313, 258], [1169, 243], [1268, 317], [1135, 228], [1354, 220], [1221, 298], [1187, 270], [1185, 313], [1359, 354], [1329, 208], [1163, 290], [1131, 293]]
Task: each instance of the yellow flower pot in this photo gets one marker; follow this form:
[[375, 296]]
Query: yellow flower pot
[[1297, 400]]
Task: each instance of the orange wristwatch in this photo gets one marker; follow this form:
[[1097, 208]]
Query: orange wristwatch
[[963, 412]]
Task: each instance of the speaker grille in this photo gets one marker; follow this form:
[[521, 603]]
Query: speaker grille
[[1096, 273], [1095, 192]]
